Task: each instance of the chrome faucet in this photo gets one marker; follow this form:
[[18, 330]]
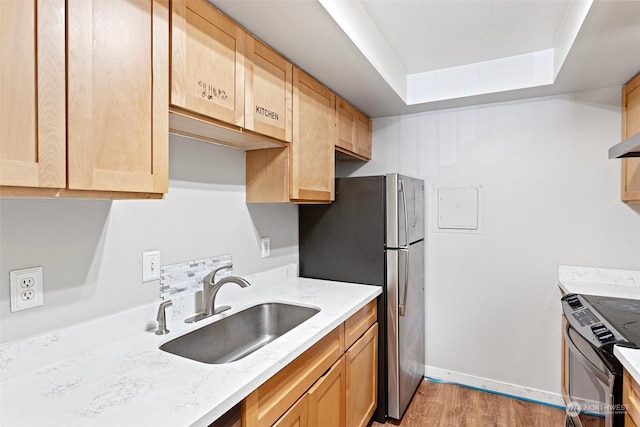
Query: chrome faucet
[[210, 289], [161, 318]]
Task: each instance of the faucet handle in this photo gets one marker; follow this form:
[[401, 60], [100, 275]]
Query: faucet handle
[[162, 317]]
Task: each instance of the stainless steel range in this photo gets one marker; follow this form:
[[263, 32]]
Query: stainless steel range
[[592, 378]]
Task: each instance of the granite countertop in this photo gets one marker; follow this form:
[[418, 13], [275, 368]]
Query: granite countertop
[[610, 283], [130, 382]]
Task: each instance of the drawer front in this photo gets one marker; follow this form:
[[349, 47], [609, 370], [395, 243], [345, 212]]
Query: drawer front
[[357, 324], [272, 399]]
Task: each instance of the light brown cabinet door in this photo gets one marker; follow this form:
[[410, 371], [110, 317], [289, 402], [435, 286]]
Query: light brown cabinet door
[[353, 130], [312, 157], [346, 118], [207, 62], [631, 126], [361, 378], [631, 400], [32, 88], [326, 402], [565, 360], [118, 95], [268, 91], [296, 416], [363, 136]]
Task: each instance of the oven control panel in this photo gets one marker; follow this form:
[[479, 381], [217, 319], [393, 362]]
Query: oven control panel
[[584, 319]]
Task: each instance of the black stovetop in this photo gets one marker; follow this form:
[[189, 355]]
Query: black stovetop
[[622, 313]]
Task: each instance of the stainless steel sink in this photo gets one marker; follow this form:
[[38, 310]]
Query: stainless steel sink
[[240, 334]]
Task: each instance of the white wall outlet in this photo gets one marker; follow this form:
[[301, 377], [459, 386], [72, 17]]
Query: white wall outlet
[[26, 288], [150, 266], [265, 244]]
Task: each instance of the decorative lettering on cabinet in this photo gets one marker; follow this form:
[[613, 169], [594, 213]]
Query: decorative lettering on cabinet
[[209, 91], [267, 113]]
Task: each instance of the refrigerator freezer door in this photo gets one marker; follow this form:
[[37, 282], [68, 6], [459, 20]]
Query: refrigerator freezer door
[[405, 334], [405, 210]]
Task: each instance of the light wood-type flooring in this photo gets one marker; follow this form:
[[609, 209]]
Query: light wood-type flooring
[[449, 405]]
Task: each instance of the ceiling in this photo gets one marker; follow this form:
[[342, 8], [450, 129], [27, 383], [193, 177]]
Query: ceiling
[[393, 57]]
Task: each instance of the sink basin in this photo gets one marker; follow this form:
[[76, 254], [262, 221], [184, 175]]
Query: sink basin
[[239, 334]]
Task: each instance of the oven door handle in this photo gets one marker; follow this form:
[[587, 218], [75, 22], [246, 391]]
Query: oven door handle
[[583, 360]]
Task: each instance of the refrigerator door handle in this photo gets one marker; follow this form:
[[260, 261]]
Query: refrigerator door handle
[[403, 295], [402, 191]]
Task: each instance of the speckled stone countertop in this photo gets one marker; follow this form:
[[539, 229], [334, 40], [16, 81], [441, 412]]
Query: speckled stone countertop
[[89, 375], [610, 283]]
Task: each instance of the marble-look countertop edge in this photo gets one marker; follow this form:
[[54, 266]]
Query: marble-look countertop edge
[[135, 368], [630, 359], [598, 281]]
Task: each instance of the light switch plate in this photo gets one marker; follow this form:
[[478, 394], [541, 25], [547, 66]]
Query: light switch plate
[[265, 245], [150, 266]]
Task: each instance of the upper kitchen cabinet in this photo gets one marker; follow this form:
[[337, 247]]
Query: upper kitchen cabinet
[[32, 84], [631, 126], [207, 62], [113, 121], [268, 91], [118, 95], [354, 132], [208, 69], [303, 171], [363, 136], [312, 151]]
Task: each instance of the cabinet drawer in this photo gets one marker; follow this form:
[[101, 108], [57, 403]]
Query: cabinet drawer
[[265, 405], [357, 324], [631, 398]]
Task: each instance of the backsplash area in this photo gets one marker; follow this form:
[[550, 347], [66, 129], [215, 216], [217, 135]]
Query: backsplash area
[[186, 277]]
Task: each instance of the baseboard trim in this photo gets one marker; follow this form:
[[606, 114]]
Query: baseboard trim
[[493, 386]]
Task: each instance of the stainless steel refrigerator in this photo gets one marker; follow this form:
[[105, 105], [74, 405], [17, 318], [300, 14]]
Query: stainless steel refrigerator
[[374, 234]]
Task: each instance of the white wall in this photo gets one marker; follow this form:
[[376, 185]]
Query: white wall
[[91, 249], [551, 197]]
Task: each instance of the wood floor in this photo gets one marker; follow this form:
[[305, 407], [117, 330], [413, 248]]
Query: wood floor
[[448, 405]]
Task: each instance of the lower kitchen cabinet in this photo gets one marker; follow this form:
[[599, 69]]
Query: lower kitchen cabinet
[[361, 364], [325, 386], [631, 400], [564, 363], [323, 405], [326, 399], [296, 416]]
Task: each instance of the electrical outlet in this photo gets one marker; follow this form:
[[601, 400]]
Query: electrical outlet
[[27, 295], [26, 288], [265, 244], [150, 266]]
